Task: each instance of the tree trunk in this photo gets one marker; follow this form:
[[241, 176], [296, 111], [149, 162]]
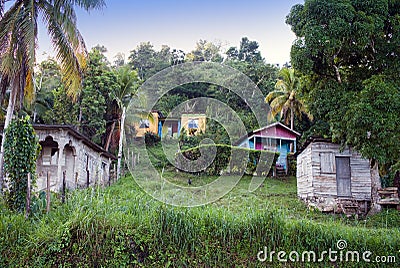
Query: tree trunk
[[109, 136], [375, 186], [79, 119], [121, 137], [338, 77], [291, 116], [10, 111]]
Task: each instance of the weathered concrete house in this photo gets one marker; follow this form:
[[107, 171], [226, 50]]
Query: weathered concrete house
[[64, 150], [333, 180]]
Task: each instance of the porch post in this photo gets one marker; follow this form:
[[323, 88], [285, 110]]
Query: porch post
[[59, 166], [73, 169]]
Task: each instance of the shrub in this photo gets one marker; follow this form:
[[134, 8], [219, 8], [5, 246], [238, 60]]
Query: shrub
[[228, 159], [292, 164], [188, 141], [151, 139]]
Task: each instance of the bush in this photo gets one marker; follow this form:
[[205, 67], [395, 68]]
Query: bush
[[151, 139], [292, 164], [228, 159], [187, 141]]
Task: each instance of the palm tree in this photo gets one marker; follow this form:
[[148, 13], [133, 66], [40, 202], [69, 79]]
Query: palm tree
[[129, 82], [18, 42], [283, 99]]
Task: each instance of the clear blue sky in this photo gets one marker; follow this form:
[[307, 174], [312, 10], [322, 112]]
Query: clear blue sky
[[123, 24]]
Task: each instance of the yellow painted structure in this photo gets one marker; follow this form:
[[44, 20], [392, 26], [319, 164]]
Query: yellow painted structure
[[194, 124], [152, 124]]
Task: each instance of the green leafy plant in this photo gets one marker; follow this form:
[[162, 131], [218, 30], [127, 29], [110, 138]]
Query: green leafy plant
[[227, 154], [151, 139], [20, 152]]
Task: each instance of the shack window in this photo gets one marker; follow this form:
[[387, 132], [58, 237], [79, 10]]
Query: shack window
[[327, 163]]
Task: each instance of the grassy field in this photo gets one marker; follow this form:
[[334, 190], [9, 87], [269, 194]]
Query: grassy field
[[274, 193], [122, 226]]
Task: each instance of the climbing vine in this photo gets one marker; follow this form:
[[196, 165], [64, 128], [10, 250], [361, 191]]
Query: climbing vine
[[21, 149]]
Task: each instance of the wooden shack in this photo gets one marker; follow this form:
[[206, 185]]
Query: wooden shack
[[333, 180], [273, 137]]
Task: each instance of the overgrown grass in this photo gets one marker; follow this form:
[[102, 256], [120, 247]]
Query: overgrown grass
[[123, 226]]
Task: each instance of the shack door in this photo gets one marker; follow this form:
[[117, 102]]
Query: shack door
[[343, 176]]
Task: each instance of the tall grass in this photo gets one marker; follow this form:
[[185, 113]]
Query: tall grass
[[122, 226]]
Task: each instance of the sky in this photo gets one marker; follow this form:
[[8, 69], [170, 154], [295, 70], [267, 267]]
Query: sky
[[122, 25]]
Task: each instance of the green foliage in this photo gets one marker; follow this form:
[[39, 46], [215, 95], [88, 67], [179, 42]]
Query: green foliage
[[285, 99], [92, 108], [248, 51], [348, 52], [99, 81], [251, 63], [169, 101], [205, 51], [373, 122], [187, 141], [64, 111], [121, 226], [151, 139], [292, 164], [20, 152], [48, 79], [224, 155], [216, 132], [147, 61]]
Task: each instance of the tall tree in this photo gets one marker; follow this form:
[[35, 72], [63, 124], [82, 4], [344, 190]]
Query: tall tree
[[99, 81], [205, 51], [284, 99], [128, 83], [48, 79], [349, 52], [248, 51], [18, 42], [147, 61]]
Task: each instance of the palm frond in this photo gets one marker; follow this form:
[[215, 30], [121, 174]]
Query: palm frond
[[128, 81], [277, 105], [273, 94], [90, 4], [8, 41], [69, 56]]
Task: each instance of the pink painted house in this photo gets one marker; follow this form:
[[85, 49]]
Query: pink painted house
[[274, 137]]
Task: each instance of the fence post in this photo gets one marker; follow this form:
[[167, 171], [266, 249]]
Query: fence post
[[133, 160], [76, 180], [28, 196], [87, 179], [48, 193], [115, 173], [87, 172], [63, 188]]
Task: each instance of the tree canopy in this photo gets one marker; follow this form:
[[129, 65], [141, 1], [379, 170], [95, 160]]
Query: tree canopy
[[348, 52]]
